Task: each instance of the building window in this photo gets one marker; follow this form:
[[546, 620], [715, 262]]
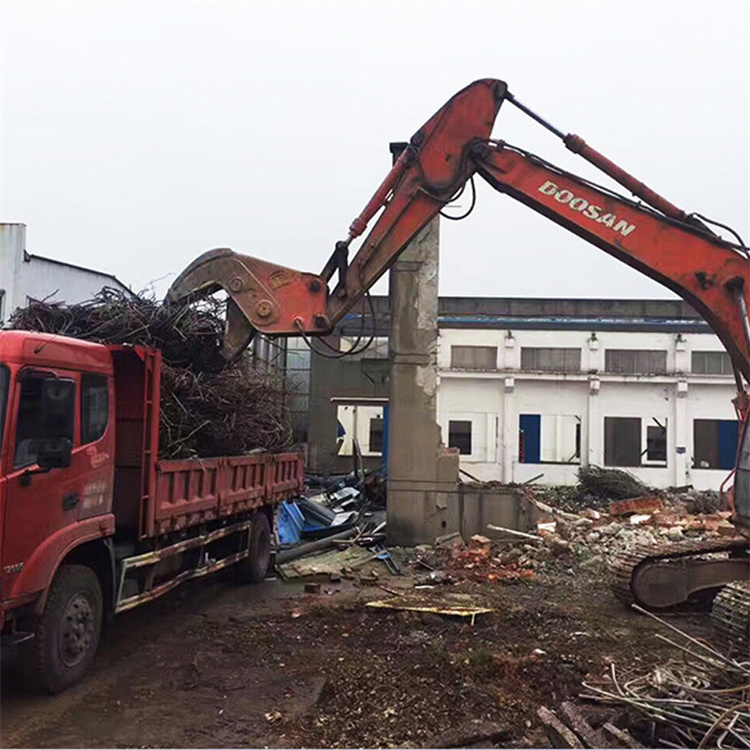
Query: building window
[[711, 363], [474, 357], [714, 443], [298, 378], [626, 443], [549, 438], [656, 443], [622, 441], [378, 348], [550, 359], [636, 361], [376, 435], [459, 436]]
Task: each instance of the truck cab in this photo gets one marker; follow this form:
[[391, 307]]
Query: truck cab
[[57, 459], [91, 522]]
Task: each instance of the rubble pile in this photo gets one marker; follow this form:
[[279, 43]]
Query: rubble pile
[[596, 534], [208, 407], [480, 561]]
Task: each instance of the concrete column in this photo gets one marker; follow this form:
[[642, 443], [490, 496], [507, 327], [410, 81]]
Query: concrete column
[[422, 475], [592, 453], [510, 428], [680, 431]]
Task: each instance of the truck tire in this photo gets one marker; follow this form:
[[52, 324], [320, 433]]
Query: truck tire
[[66, 635], [254, 567]]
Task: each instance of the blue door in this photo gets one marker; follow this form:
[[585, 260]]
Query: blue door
[[530, 426], [727, 443]]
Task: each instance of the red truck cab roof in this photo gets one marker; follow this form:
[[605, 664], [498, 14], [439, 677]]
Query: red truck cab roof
[[52, 350]]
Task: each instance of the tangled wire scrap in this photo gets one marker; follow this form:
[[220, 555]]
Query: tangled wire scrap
[[699, 700], [208, 408]]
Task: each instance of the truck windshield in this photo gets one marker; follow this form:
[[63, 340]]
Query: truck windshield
[[4, 387]]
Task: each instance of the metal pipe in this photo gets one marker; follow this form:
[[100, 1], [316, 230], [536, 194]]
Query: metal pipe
[[306, 549], [534, 116]]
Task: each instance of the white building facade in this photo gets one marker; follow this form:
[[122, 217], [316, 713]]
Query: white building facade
[[535, 402], [24, 277]]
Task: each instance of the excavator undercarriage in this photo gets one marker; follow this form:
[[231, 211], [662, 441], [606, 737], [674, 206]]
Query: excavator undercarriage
[[668, 575]]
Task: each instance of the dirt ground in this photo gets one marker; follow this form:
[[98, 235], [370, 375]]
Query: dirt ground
[[217, 665]]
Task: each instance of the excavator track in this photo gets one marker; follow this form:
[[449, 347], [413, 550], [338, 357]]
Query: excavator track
[[629, 563], [731, 612]]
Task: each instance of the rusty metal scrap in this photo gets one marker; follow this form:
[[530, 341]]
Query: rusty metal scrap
[[699, 699], [208, 407]]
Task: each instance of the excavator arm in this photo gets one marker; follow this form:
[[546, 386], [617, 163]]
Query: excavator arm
[[653, 236]]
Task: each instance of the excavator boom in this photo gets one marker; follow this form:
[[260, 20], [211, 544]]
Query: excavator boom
[[653, 236]]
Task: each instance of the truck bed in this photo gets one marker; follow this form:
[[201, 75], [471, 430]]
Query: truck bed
[[193, 491], [153, 496]]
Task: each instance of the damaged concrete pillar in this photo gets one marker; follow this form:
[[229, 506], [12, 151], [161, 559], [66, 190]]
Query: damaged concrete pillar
[[422, 475]]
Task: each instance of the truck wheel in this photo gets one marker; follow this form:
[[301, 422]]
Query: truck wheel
[[67, 633], [254, 567]]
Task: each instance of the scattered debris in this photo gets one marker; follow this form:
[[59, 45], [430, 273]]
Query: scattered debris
[[558, 733], [610, 484], [470, 734], [590, 736], [701, 698], [442, 607], [636, 505]]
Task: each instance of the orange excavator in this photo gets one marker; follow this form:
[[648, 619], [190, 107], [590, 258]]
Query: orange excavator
[[680, 250]]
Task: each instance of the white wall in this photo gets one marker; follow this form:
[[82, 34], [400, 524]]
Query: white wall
[[493, 401], [24, 277]]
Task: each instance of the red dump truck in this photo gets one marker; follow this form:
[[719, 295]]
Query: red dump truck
[[91, 521]]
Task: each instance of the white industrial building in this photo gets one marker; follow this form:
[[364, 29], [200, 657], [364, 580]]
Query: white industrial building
[[524, 403], [25, 277], [538, 388]]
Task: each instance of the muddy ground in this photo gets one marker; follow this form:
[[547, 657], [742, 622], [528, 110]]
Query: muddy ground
[[217, 665]]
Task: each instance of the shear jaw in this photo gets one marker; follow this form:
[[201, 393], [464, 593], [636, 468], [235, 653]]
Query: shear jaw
[[262, 297]]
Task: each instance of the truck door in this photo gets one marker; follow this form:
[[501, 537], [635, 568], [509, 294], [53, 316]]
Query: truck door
[[39, 503]]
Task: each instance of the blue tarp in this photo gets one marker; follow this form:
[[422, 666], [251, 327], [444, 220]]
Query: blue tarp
[[289, 523]]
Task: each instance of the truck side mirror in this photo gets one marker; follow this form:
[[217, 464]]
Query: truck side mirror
[[54, 453]]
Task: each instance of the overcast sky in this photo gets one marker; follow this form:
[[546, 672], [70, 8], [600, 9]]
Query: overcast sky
[[136, 135]]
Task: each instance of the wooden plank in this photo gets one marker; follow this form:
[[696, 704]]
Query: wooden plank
[[591, 737], [558, 733]]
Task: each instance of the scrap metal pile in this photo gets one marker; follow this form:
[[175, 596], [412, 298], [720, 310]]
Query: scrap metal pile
[[699, 699], [208, 407]]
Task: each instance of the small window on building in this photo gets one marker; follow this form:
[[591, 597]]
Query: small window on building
[[711, 363], [376, 435], [635, 361], [459, 436], [94, 407], [622, 441], [41, 416], [550, 359], [714, 443], [656, 443], [474, 357], [549, 438]]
